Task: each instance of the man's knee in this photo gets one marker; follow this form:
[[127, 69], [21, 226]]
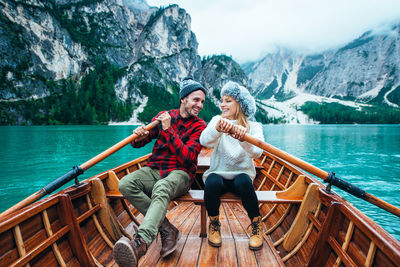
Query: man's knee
[[128, 184], [123, 186], [161, 188]]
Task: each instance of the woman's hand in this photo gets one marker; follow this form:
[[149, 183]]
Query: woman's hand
[[224, 126], [238, 132]]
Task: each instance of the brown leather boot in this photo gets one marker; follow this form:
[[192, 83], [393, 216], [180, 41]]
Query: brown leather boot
[[214, 231], [256, 237], [128, 252], [169, 237]]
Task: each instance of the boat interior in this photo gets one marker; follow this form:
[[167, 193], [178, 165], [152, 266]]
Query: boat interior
[[304, 225]]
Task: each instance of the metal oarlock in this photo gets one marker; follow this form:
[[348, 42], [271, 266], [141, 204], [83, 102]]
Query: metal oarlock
[[342, 184]]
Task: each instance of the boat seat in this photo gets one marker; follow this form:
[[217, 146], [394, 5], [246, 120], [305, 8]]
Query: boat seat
[[293, 194]]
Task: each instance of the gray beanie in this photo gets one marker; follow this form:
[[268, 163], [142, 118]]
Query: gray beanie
[[188, 85], [242, 96]]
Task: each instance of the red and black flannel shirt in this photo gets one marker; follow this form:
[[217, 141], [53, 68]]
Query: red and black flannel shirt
[[177, 147]]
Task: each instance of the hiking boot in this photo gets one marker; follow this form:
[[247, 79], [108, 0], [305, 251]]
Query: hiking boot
[[169, 237], [214, 231], [256, 237], [128, 252]]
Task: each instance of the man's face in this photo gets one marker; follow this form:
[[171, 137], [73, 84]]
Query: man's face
[[192, 104]]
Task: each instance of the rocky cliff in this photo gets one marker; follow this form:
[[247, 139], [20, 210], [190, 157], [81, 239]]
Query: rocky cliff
[[54, 40], [122, 53], [96, 61]]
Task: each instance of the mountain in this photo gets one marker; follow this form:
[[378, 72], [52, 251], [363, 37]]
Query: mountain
[[360, 74], [95, 61], [219, 69]]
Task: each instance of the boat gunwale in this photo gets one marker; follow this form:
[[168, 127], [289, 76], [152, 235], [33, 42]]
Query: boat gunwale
[[29, 211]]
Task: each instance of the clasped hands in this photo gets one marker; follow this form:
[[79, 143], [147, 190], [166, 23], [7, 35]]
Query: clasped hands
[[236, 131], [165, 120]]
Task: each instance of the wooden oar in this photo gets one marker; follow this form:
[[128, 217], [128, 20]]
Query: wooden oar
[[75, 172], [327, 177]]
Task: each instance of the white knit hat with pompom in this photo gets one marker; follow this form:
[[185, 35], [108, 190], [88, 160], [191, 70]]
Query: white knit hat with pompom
[[242, 96]]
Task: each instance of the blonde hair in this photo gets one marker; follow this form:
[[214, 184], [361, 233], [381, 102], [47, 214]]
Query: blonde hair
[[241, 118]]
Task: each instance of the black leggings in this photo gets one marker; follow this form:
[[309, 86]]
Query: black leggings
[[241, 185]]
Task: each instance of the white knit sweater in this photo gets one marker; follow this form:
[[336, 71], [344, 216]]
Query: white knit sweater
[[230, 157]]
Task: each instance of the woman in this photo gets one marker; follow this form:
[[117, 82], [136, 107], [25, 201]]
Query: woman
[[232, 167]]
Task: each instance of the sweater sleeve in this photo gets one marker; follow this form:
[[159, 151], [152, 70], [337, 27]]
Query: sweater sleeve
[[257, 132], [209, 137]]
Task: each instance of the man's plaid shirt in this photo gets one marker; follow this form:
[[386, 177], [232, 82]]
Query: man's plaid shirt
[[177, 147]]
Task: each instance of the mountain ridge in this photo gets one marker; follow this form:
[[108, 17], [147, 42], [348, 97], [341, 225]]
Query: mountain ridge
[[359, 74]]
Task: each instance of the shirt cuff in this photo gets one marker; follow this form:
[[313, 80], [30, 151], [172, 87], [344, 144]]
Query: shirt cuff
[[169, 131]]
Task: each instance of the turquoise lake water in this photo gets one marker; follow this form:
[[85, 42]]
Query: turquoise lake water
[[365, 155]]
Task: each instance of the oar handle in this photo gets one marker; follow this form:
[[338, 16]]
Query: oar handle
[[382, 204], [74, 172], [327, 177]]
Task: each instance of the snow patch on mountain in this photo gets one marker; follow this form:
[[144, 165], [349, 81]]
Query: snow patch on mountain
[[387, 100], [374, 91], [289, 110]]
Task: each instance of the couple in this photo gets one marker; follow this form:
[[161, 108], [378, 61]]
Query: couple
[[172, 167]]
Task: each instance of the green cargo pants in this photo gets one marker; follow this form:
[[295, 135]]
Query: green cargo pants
[[151, 195]]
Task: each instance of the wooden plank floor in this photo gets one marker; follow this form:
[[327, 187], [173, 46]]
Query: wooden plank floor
[[195, 251]]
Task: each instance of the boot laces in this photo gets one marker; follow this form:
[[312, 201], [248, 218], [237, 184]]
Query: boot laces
[[256, 228], [137, 242], [163, 234], [214, 225]]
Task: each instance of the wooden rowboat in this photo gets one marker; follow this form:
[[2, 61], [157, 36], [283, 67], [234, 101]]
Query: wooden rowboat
[[304, 225]]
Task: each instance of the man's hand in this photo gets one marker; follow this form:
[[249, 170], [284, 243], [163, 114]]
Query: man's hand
[[141, 132], [165, 120]]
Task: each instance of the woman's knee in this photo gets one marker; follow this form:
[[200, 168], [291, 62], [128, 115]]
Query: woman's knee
[[243, 183], [214, 181], [243, 180]]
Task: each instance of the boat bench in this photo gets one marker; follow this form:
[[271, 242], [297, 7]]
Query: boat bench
[[197, 197]]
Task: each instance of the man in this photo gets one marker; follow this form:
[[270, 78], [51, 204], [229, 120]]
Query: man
[[168, 174]]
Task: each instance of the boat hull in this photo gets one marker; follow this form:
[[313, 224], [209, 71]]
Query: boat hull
[[79, 225]]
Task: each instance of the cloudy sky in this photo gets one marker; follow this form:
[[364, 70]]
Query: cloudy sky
[[248, 29]]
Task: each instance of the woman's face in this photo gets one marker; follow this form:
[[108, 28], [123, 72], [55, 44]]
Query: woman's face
[[229, 107]]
